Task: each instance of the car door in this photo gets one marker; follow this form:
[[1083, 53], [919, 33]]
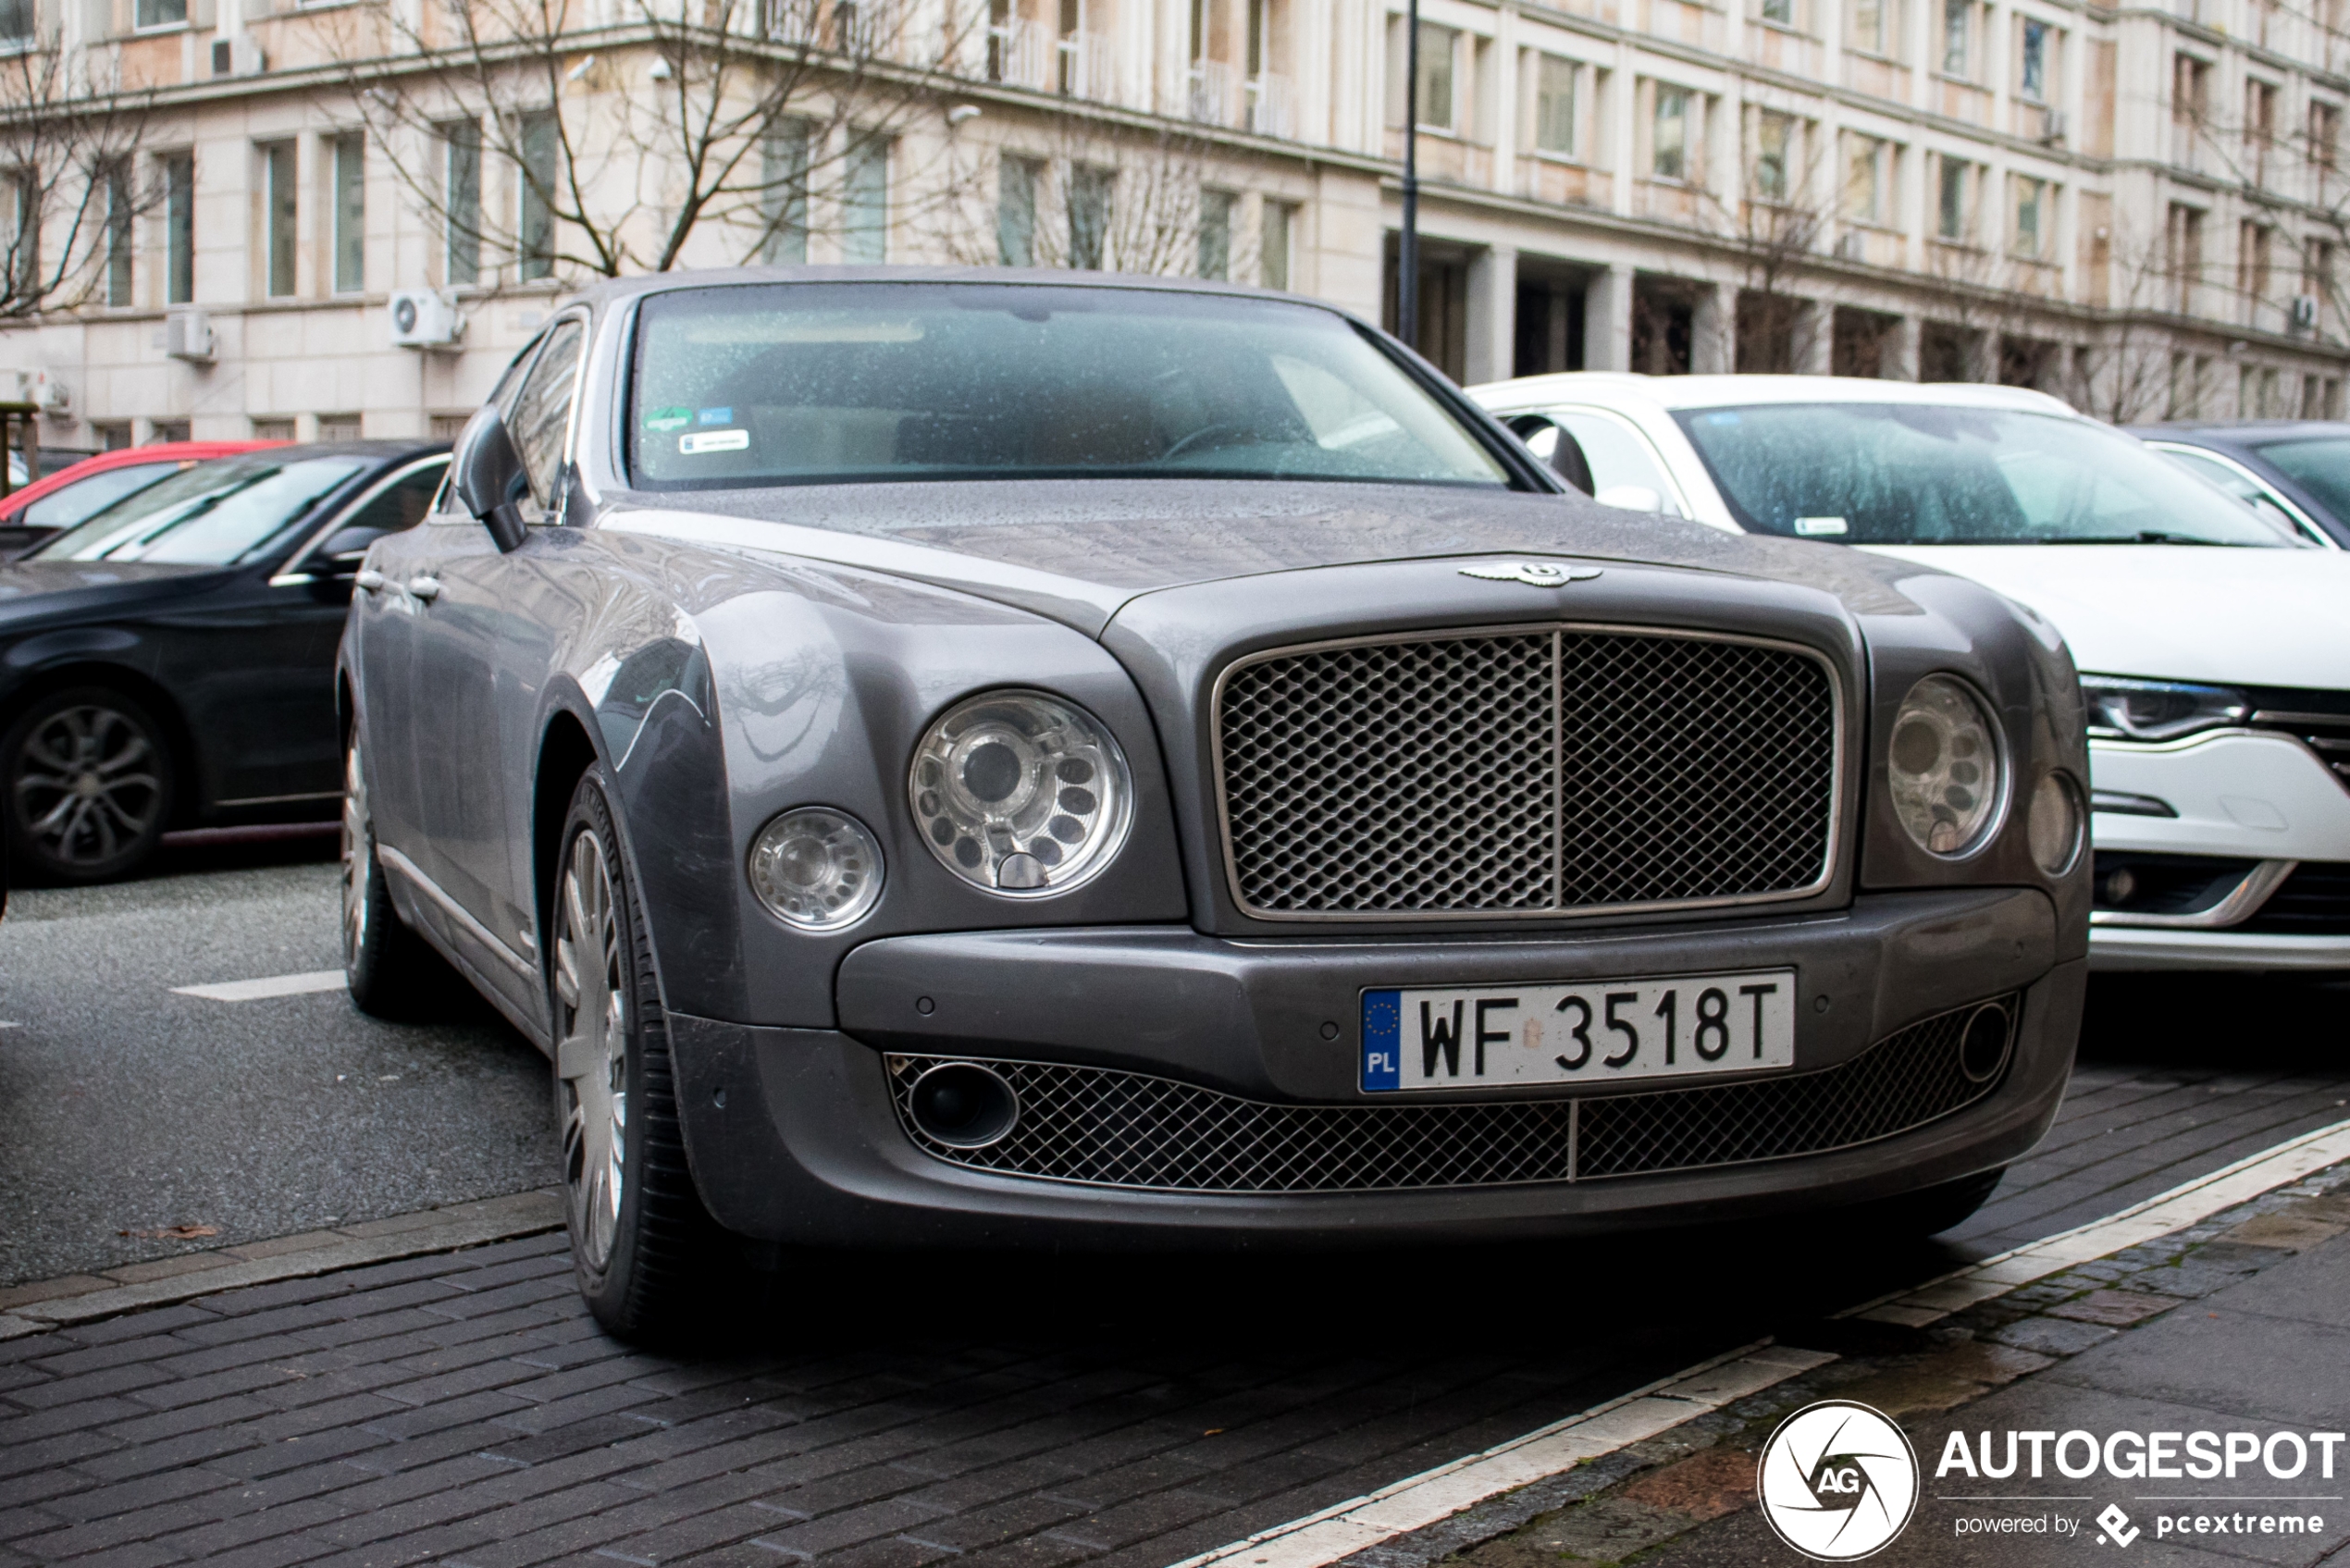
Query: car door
[[470, 627]]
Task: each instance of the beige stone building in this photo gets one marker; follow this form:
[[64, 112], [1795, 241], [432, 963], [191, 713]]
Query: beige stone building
[[2136, 208]]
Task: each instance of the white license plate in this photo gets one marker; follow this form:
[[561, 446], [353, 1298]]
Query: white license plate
[[1602, 1031]]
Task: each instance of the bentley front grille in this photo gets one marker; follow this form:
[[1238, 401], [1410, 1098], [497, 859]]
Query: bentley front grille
[[1110, 1129], [1528, 773]]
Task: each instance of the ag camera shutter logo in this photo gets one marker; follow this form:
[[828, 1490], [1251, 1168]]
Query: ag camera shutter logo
[[1838, 1481]]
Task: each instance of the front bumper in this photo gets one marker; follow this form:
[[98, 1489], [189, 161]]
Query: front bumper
[[2243, 794], [793, 1136]]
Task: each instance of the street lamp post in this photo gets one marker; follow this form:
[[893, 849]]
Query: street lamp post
[[1407, 244]]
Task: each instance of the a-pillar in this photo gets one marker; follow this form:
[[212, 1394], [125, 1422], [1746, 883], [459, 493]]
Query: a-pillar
[[1492, 314], [1607, 320], [1712, 322]]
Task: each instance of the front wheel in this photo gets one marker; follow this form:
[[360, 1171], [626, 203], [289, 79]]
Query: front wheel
[[642, 1244], [391, 972], [90, 786]]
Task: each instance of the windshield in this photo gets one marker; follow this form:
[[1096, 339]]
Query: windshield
[[69, 504], [1900, 474], [830, 383], [217, 513], [2321, 467]]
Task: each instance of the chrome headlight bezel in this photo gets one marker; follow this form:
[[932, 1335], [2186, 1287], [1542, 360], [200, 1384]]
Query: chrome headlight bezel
[[1067, 805], [1950, 706], [2056, 792], [831, 903], [2124, 707]]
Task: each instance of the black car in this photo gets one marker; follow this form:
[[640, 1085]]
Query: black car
[[2296, 470], [170, 662]]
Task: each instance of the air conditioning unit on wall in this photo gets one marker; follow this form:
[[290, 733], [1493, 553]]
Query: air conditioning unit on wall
[[2305, 313], [422, 319], [187, 334]]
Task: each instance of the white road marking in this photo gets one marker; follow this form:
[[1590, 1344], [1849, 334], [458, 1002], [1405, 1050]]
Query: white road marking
[[257, 990], [2183, 1205], [1344, 1528]]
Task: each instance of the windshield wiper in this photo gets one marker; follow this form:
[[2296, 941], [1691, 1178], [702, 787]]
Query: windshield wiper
[[2143, 537]]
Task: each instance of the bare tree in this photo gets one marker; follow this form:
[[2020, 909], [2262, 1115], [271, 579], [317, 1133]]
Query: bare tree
[[2122, 375], [628, 136], [1104, 197], [1774, 227], [70, 191]]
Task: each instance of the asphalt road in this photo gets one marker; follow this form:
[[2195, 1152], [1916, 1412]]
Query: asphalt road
[[127, 1108], [124, 1107]]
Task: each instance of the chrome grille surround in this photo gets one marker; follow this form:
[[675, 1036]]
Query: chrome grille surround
[[1104, 1127], [1716, 779]]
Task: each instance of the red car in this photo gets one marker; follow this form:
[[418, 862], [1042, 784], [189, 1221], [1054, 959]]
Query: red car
[[58, 502]]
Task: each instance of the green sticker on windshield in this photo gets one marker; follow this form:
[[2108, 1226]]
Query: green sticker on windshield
[[669, 419]]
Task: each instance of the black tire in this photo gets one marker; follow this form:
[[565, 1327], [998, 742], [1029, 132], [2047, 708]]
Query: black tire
[[645, 1251], [392, 973], [1934, 1209], [90, 785]]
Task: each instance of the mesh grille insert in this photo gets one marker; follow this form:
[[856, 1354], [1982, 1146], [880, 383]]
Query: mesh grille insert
[[1114, 1128], [1601, 770]]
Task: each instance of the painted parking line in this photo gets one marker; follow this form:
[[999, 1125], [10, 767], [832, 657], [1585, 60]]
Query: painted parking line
[[1419, 1501], [260, 990]]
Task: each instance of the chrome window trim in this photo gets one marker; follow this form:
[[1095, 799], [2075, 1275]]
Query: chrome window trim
[[2301, 519], [1829, 860]]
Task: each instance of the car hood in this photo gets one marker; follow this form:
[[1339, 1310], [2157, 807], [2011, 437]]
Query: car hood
[[2247, 617], [1078, 551], [40, 588]]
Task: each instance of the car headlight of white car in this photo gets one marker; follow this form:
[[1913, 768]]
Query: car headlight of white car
[[2121, 709]]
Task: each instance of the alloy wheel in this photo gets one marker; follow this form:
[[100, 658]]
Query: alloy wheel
[[591, 1058], [358, 859], [88, 784]]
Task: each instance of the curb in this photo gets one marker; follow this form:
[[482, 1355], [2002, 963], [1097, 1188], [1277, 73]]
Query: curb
[[83, 1298]]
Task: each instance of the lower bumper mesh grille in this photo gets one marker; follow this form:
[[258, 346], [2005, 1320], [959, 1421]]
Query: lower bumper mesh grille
[[1111, 1129]]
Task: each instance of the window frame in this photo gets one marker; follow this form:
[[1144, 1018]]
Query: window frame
[[295, 570]]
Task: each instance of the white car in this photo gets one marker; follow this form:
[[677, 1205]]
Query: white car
[[2213, 641]]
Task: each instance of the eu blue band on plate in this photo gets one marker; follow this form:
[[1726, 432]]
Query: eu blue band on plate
[[1383, 1040]]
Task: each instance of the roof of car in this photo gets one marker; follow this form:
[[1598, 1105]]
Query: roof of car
[[1722, 391], [122, 457], [2238, 432], [618, 288]]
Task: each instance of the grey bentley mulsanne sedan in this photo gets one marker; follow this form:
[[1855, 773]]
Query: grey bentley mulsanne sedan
[[1002, 758]]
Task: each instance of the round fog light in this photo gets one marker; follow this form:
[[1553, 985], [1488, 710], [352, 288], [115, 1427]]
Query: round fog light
[[817, 869], [2053, 825], [963, 1106], [1983, 1050]]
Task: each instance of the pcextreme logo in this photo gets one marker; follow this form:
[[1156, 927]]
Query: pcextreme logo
[[1838, 1481]]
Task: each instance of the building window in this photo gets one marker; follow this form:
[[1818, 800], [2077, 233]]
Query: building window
[[279, 213], [340, 426], [1274, 254], [1555, 106], [2316, 271], [2035, 60], [2325, 136], [1865, 199], [1438, 47], [2030, 217], [460, 176], [783, 195], [1956, 25], [1669, 155], [179, 226], [351, 214], [1216, 233], [22, 198], [112, 436], [1088, 199], [1951, 217], [273, 430], [1868, 27], [534, 225], [1781, 12], [2255, 261], [1016, 211], [16, 25], [120, 240], [865, 203], [164, 430], [159, 13], [1773, 138]]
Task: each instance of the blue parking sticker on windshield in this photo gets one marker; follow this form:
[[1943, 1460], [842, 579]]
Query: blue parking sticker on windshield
[[1383, 1040], [715, 416]]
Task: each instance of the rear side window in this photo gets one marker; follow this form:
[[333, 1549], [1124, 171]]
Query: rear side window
[[69, 504]]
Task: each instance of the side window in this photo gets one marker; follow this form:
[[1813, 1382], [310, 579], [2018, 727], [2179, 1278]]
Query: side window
[[502, 398], [1616, 453], [401, 504], [2244, 487], [542, 409]]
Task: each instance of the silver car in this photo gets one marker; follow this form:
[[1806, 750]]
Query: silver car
[[1022, 760]]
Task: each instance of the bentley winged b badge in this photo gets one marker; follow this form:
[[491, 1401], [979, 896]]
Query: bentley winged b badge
[[1533, 573]]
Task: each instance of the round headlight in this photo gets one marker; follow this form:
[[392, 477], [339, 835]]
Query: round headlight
[[2053, 825], [816, 868], [1944, 759], [1020, 793]]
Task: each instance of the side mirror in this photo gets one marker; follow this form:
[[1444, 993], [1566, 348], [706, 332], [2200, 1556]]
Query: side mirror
[[1631, 497], [344, 549], [491, 481], [1549, 440]]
